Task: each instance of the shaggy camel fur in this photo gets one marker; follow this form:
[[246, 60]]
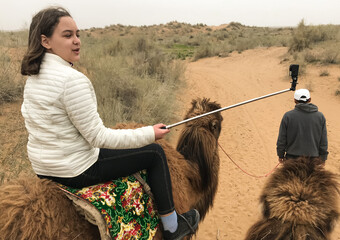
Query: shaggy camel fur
[[37, 209], [198, 144], [299, 203]]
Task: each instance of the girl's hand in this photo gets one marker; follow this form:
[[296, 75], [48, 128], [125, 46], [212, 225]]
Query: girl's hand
[[159, 132]]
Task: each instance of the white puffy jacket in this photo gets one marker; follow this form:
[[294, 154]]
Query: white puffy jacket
[[65, 130]]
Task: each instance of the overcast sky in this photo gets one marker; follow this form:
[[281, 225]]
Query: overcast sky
[[17, 14]]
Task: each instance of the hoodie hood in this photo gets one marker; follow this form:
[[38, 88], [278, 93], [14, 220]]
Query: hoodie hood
[[306, 107]]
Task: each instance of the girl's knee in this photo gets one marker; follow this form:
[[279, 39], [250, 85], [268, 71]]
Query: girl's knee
[[159, 150], [158, 147]]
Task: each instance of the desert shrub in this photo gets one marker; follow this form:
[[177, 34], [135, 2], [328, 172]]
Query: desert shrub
[[208, 49], [330, 56], [310, 57], [13, 39], [324, 73], [245, 44], [114, 48], [304, 36], [221, 35], [11, 82], [300, 38], [324, 53], [203, 51], [140, 44], [136, 81], [235, 25]]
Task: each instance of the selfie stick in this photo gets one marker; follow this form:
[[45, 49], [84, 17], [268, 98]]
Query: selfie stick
[[293, 72]]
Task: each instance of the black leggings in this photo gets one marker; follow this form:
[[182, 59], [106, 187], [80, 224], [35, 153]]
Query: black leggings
[[113, 164]]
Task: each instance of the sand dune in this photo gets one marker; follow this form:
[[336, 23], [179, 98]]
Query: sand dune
[[250, 131]]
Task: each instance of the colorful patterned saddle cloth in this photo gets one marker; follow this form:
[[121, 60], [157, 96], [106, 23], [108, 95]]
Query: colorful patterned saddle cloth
[[125, 209]]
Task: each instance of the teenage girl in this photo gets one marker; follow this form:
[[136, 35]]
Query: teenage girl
[[67, 141]]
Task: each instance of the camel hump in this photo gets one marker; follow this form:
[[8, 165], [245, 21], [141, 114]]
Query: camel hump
[[299, 199], [302, 192]]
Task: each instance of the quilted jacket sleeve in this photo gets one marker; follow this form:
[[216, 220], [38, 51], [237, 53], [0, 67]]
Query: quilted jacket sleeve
[[81, 106]]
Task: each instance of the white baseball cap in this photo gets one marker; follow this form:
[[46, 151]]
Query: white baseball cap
[[302, 95]]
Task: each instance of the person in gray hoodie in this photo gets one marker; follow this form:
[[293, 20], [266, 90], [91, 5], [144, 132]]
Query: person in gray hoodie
[[303, 130]]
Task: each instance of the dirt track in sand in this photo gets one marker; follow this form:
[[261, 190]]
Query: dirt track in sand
[[249, 132]]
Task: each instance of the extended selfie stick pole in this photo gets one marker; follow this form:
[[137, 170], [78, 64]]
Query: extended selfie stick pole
[[293, 71]]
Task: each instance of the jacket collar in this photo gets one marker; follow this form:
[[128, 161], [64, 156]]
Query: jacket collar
[[50, 57]]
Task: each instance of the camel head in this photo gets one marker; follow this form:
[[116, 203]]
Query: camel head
[[198, 142], [211, 123]]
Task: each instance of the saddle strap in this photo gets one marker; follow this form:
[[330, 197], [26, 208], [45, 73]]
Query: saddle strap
[[146, 186]]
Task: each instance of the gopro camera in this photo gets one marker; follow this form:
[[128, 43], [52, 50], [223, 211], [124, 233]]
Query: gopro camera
[[294, 72]]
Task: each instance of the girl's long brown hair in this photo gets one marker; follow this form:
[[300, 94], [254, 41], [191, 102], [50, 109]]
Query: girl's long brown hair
[[43, 23]]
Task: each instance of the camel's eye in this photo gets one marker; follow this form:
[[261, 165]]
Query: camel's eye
[[215, 128]]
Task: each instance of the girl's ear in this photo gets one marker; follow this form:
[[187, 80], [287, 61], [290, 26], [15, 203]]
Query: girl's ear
[[45, 42]]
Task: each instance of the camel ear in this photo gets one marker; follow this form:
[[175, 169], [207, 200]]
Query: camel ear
[[194, 103], [214, 105]]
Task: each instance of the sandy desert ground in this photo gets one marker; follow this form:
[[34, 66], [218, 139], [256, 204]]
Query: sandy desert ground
[[249, 132]]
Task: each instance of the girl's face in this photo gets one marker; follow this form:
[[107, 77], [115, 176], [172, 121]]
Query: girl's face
[[64, 41]]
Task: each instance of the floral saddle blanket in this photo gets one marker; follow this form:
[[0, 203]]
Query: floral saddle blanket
[[120, 208]]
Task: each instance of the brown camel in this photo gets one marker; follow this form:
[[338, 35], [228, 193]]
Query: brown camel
[[299, 203], [37, 209]]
